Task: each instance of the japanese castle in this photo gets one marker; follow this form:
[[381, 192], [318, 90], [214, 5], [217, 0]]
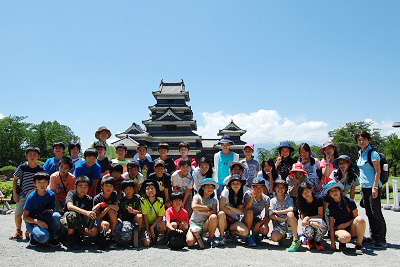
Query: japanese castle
[[172, 122]]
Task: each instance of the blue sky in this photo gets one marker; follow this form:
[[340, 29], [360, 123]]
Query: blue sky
[[281, 69]]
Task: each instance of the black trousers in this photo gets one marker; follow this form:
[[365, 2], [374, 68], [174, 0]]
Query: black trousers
[[373, 210]]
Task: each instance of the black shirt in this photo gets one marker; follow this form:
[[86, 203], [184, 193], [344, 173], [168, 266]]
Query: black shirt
[[311, 209], [85, 203], [105, 164], [124, 203], [170, 166], [100, 198], [341, 211], [285, 166], [164, 182]]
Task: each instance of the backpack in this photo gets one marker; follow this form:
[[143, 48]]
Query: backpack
[[176, 241], [384, 166]]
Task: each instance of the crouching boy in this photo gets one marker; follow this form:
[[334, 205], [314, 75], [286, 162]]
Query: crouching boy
[[41, 220], [79, 218]]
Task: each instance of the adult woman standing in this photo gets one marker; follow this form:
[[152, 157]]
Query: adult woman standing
[[371, 189], [102, 134]]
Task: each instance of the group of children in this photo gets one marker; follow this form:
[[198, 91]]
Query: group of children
[[103, 200]]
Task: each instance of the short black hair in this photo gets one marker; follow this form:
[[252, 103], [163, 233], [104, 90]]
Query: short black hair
[[67, 161], [90, 152], [163, 146], [147, 183], [184, 162], [183, 144], [72, 145], [108, 180], [116, 167], [362, 134], [132, 165], [121, 146], [100, 144], [32, 149], [141, 145], [60, 144], [41, 176], [127, 183], [82, 179], [176, 195]]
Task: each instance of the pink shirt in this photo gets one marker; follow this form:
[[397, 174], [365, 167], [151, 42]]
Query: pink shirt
[[322, 164], [172, 215]]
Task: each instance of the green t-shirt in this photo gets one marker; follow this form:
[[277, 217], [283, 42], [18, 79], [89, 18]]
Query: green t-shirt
[[110, 153], [152, 210]]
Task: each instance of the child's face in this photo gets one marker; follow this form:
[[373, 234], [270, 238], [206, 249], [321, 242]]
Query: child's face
[[236, 185], [248, 152], [150, 191], [32, 156], [133, 172], [159, 170], [307, 193], [329, 151], [163, 152], [115, 174], [107, 188], [204, 167], [177, 203], [344, 165], [41, 185], [335, 193], [82, 188], [226, 146], [267, 168], [64, 168], [304, 154], [90, 161], [121, 152], [129, 191], [258, 189], [101, 151], [285, 152], [237, 170], [103, 135], [280, 189], [208, 189], [141, 152], [184, 152], [185, 169], [297, 175], [74, 152], [58, 151]]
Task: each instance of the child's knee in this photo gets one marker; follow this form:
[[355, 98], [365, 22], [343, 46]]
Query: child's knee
[[190, 242], [112, 213], [213, 217], [264, 230], [221, 214], [359, 220], [344, 238], [276, 236], [290, 215], [42, 236]]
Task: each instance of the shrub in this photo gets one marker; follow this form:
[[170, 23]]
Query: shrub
[[6, 189], [8, 170]]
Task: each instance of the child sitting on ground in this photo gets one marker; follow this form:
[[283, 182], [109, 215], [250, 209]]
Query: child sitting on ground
[[39, 213], [344, 220], [182, 182], [203, 171], [90, 168], [62, 182], [79, 218], [134, 174], [281, 213], [116, 173], [106, 206], [153, 210], [176, 217]]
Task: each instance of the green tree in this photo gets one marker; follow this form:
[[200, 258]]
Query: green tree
[[264, 154], [46, 133], [392, 151], [13, 140]]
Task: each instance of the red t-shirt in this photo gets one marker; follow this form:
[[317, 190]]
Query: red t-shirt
[[192, 161], [172, 215]]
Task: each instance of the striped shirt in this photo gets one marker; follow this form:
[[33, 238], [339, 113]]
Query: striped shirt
[[25, 177]]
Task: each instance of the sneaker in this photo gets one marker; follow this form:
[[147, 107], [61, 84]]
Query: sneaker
[[311, 244], [379, 245], [282, 241], [303, 239], [233, 237], [54, 242], [212, 242], [33, 242], [199, 239], [294, 246], [319, 246], [250, 242], [17, 235], [359, 249], [367, 240], [257, 238], [221, 241], [342, 246]]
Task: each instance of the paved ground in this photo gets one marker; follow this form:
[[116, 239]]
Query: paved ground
[[13, 253]]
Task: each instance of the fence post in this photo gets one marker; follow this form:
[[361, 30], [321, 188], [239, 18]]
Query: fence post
[[395, 196]]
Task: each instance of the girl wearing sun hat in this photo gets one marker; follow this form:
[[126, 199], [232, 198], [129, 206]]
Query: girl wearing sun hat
[[102, 134], [330, 152]]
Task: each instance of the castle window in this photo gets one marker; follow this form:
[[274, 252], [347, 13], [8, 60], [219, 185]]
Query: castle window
[[171, 128]]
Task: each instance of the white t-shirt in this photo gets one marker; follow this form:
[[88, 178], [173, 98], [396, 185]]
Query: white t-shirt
[[182, 182], [225, 194]]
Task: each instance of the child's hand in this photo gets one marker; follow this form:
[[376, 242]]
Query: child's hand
[[113, 207], [88, 232], [306, 221], [253, 194], [341, 226], [278, 160], [152, 234], [42, 224], [179, 231], [131, 210], [90, 214]]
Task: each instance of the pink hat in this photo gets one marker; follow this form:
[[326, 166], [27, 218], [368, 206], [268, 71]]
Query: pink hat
[[297, 167], [249, 145], [326, 144]]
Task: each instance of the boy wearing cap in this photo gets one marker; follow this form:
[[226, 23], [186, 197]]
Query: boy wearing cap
[[176, 217], [52, 164], [281, 213], [163, 180], [121, 152], [145, 164], [252, 166], [102, 134], [222, 160], [255, 201], [344, 220]]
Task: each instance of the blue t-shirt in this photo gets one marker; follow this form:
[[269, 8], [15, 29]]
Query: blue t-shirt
[[93, 173], [223, 166], [36, 204], [367, 172], [51, 165]]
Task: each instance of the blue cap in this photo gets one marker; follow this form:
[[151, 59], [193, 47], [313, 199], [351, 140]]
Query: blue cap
[[226, 139], [336, 161], [258, 181], [209, 181], [332, 184]]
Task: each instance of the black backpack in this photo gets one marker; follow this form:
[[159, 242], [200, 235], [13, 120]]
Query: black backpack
[[384, 166], [176, 241]]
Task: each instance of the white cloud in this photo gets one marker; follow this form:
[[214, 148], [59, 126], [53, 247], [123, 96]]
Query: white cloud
[[266, 127], [385, 126], [1, 116]]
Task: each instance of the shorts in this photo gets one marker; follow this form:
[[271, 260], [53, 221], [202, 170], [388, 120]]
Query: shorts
[[196, 227], [256, 219], [230, 220], [19, 207], [348, 229], [280, 226]]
